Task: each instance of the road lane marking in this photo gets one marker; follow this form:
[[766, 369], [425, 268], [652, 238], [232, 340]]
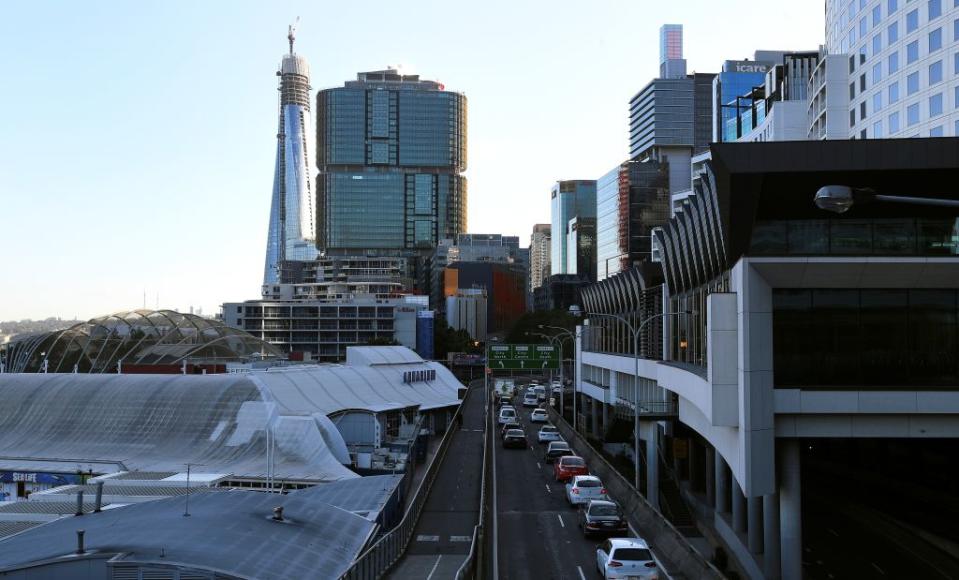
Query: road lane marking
[[538, 466], [560, 518], [433, 571], [581, 575], [548, 489], [878, 568], [461, 538], [833, 532], [422, 538]]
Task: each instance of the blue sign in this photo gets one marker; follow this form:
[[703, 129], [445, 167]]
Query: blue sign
[[45, 478]]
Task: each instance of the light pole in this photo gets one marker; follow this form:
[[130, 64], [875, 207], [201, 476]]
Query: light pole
[[572, 336], [559, 344], [635, 331], [839, 198]]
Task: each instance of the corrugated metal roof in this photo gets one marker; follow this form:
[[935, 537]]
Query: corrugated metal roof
[[10, 528], [366, 494], [380, 355], [89, 491]]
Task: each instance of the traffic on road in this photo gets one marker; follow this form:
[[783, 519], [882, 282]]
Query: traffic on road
[[552, 519]]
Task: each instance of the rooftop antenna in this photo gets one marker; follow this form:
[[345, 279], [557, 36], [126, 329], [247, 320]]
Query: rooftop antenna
[[291, 35]]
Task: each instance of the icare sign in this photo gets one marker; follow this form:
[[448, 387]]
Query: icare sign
[[746, 66]]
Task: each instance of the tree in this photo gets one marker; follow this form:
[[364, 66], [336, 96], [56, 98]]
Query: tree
[[447, 340]]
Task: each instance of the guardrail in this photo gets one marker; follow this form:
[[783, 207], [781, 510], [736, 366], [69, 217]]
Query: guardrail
[[667, 542], [379, 557], [474, 565]]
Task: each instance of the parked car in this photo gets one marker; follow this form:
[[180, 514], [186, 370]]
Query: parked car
[[583, 488], [507, 415], [530, 400], [514, 438], [548, 433], [507, 426], [566, 467], [600, 516], [626, 558], [556, 449], [539, 416]]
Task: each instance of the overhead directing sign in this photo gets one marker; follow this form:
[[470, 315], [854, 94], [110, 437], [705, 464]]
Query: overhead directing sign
[[522, 357]]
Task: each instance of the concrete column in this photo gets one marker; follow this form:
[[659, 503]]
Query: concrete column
[[739, 507], [721, 475], [652, 464], [593, 418], [771, 547], [790, 510], [710, 473], [754, 509], [605, 417]]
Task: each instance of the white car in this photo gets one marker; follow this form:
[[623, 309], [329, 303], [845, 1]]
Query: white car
[[539, 416], [583, 488], [540, 392], [556, 388], [626, 558], [507, 415], [548, 433], [530, 400]]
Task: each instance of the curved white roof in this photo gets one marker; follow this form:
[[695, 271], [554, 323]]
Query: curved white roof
[[378, 355]]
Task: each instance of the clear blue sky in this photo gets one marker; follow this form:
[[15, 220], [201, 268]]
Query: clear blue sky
[[137, 138]]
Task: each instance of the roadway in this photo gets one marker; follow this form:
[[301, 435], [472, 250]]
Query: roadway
[[536, 532]]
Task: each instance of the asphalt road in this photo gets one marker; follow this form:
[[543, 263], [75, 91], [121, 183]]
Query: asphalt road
[[537, 534]]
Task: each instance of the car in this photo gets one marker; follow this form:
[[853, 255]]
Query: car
[[505, 400], [530, 400], [514, 438], [539, 416], [556, 388], [565, 467], [601, 516], [548, 433], [626, 558], [540, 392], [507, 426], [507, 415], [556, 449], [583, 488]]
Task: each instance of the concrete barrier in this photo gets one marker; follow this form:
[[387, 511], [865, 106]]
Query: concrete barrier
[[677, 555]]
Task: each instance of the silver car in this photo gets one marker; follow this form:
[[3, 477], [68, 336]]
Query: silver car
[[548, 433]]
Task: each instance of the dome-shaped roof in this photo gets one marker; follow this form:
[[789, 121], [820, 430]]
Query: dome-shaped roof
[[135, 337]]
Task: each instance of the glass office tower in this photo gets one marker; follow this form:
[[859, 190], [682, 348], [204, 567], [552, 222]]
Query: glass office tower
[[568, 200], [292, 231], [391, 149]]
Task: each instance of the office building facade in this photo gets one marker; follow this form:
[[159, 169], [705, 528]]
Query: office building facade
[[902, 65], [581, 247], [292, 228], [493, 248], [568, 199], [539, 255], [467, 310], [672, 65], [504, 285], [391, 150]]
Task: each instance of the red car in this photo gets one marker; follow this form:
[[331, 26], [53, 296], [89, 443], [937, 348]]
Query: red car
[[566, 467]]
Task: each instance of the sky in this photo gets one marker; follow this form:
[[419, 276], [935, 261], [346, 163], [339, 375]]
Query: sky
[[137, 139]]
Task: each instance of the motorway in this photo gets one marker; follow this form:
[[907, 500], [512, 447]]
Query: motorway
[[536, 534]]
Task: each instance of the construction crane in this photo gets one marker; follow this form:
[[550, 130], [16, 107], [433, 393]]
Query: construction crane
[[291, 35]]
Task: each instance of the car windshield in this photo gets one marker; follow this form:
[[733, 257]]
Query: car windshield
[[603, 510], [572, 462], [508, 413], [514, 432], [558, 446], [632, 554], [548, 429], [539, 412], [588, 483]]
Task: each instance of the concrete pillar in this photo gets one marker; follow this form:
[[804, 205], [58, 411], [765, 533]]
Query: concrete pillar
[[739, 507], [721, 475], [754, 509], [710, 473], [790, 510], [652, 463], [605, 418], [593, 418], [771, 547]]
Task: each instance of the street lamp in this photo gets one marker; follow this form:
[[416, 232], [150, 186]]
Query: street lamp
[[839, 198], [561, 377], [557, 342], [650, 497]]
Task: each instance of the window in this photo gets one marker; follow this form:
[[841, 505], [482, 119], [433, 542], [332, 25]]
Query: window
[[935, 9], [876, 44], [892, 6], [955, 64], [876, 102], [912, 21], [956, 131], [912, 52], [876, 15], [935, 105], [877, 130], [936, 131], [876, 73], [956, 100], [852, 91], [893, 62], [912, 114], [893, 93], [912, 83], [935, 72], [894, 123], [863, 27], [935, 40], [852, 64], [862, 110], [955, 29], [892, 31], [852, 117], [862, 82]]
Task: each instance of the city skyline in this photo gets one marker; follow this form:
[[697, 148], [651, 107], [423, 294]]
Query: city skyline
[[154, 121]]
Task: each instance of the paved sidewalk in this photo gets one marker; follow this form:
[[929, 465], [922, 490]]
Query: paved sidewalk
[[445, 531]]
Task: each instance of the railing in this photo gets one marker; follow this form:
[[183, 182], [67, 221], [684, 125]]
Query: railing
[[624, 409], [473, 566], [376, 560]]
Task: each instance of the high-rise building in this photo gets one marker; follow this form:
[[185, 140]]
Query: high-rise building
[[495, 248], [581, 247], [736, 78], [504, 285], [292, 231], [672, 65], [391, 149], [539, 255], [901, 66], [568, 199]]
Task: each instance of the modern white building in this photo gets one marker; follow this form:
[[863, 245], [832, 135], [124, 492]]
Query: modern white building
[[466, 310], [901, 62], [539, 255]]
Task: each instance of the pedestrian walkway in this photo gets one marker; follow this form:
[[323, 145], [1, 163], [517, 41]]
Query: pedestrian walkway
[[444, 533]]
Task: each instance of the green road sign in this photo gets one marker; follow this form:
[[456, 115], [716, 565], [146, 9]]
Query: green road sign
[[522, 357]]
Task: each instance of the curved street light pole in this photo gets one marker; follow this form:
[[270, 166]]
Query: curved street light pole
[[573, 337], [635, 332], [556, 341]]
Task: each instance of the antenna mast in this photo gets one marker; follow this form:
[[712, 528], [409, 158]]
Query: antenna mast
[[291, 35]]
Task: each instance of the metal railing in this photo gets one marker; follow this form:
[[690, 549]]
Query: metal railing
[[473, 566], [376, 560]]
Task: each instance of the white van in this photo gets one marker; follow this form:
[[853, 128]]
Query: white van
[[507, 415]]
